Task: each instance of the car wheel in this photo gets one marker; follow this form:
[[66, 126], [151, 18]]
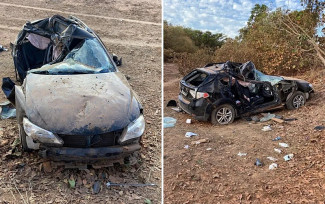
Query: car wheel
[[223, 115], [297, 100]]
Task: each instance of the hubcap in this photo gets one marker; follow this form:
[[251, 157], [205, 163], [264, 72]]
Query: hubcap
[[224, 116], [298, 101]]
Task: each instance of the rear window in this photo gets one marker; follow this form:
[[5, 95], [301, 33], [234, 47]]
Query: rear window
[[196, 78]]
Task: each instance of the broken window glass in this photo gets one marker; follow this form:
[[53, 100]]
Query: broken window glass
[[88, 57], [259, 76], [91, 53]]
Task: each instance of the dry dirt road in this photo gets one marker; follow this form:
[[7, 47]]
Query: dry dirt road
[[132, 30], [196, 175]]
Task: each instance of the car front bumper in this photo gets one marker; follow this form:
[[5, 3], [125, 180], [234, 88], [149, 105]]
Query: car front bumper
[[89, 154]]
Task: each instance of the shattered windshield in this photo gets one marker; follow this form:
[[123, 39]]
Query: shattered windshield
[[259, 76], [88, 57]]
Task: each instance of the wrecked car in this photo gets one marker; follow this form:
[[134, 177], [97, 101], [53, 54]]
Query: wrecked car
[[220, 92], [72, 102]]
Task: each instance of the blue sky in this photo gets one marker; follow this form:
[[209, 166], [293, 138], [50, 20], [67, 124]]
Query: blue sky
[[218, 16]]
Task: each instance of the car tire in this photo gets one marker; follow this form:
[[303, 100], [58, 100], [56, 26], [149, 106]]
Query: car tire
[[297, 100], [223, 115], [22, 134]]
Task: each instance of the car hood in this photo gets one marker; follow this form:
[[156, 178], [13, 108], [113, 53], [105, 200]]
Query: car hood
[[80, 104], [295, 79]]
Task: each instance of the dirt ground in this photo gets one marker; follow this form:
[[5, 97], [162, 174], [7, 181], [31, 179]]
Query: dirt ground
[[219, 175], [130, 29]]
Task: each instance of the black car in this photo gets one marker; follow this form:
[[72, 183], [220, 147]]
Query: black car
[[222, 91], [72, 102]]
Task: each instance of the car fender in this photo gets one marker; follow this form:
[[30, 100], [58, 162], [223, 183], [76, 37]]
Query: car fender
[[219, 102]]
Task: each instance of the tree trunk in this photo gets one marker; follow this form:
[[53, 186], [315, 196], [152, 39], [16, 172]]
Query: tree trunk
[[320, 53]]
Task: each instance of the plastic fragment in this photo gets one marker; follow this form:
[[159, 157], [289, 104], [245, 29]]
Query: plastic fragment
[[188, 121], [96, 187], [241, 154], [277, 138], [267, 128], [283, 144], [190, 134], [72, 183], [3, 49], [271, 158], [258, 162], [186, 146], [320, 127], [169, 122], [273, 166], [288, 157], [267, 117], [277, 150], [177, 109]]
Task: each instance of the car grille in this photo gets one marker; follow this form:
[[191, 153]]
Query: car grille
[[87, 141]]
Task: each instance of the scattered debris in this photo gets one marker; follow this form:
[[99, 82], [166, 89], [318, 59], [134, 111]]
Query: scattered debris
[[206, 140], [288, 157], [267, 117], [209, 149], [20, 165], [255, 118], [7, 110], [273, 166], [241, 154], [169, 122], [190, 134], [271, 158], [320, 127], [277, 150], [277, 120], [72, 183], [277, 138], [186, 146], [267, 128], [188, 121], [290, 119], [108, 184], [96, 187], [283, 144], [3, 48], [147, 201], [177, 109], [258, 162], [172, 103]]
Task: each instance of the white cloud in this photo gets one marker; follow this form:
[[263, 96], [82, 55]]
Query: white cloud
[[217, 16]]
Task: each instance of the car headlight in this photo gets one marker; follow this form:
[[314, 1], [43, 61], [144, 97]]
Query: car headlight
[[134, 130], [39, 134], [310, 85]]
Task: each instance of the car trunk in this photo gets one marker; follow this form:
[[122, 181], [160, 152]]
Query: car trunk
[[191, 82]]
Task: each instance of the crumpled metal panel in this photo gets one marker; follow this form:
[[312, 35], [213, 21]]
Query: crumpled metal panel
[[80, 104]]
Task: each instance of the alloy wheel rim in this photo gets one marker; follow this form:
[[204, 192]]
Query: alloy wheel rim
[[224, 115], [298, 101]]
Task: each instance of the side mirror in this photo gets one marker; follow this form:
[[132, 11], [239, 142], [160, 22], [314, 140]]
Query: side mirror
[[117, 61]]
